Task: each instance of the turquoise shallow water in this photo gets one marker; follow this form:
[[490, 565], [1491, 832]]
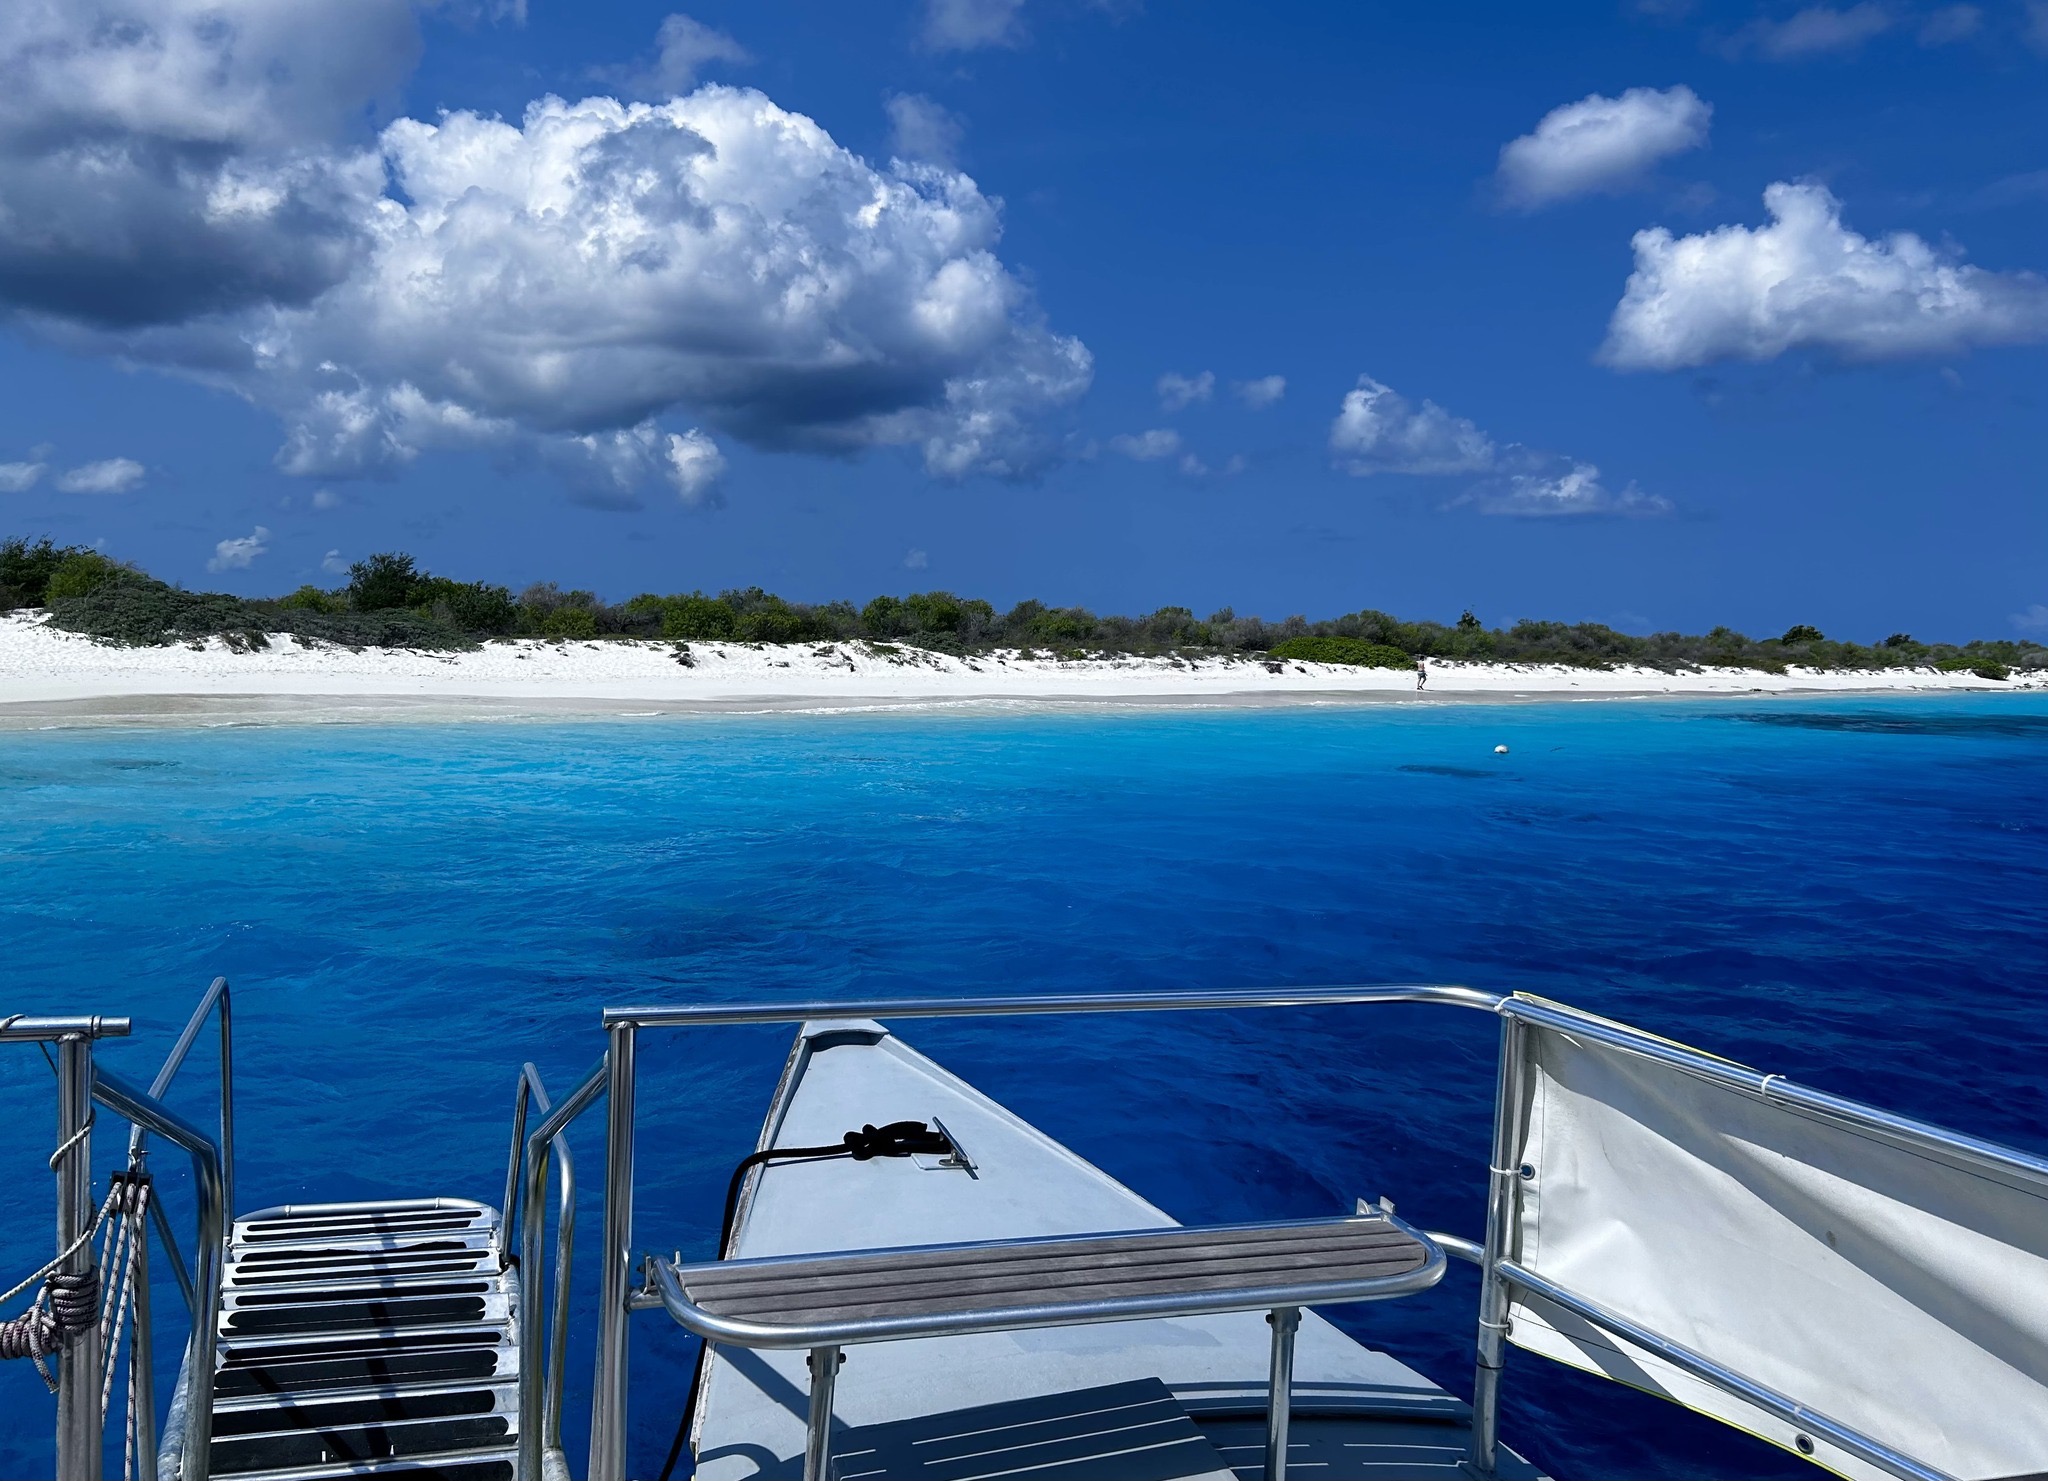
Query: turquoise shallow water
[[1851, 892]]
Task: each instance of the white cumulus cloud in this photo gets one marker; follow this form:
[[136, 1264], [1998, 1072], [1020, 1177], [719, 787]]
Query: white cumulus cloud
[[1378, 430], [1817, 30], [240, 553], [915, 560], [694, 465], [19, 478], [923, 130], [1177, 391], [1547, 484], [970, 25], [108, 476], [1601, 143], [546, 286], [1147, 447], [1261, 393], [1807, 281], [333, 563], [2033, 620], [683, 47]]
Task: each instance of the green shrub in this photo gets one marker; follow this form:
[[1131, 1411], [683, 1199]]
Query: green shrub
[[778, 624], [1343, 650], [1802, 633], [882, 617], [25, 570], [383, 582], [1063, 627], [569, 622], [79, 574], [698, 618], [476, 607], [313, 599], [130, 607], [1983, 668]]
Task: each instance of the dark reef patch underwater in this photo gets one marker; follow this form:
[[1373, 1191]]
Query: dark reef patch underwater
[[1853, 893]]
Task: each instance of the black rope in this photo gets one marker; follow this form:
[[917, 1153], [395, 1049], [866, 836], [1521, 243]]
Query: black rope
[[897, 1139]]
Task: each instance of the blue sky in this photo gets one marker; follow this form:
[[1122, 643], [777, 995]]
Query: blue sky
[[991, 295]]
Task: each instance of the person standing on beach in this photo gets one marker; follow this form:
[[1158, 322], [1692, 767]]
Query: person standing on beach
[[1421, 675]]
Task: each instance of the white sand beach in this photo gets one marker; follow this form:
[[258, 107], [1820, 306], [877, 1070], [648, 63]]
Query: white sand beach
[[46, 674]]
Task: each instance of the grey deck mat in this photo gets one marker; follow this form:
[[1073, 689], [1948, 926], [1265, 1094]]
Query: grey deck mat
[[1122, 1432], [1051, 1272]]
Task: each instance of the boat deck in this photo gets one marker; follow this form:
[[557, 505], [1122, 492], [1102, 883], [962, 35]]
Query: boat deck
[[1154, 1399]]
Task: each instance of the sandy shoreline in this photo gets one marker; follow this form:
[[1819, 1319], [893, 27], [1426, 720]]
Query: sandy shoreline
[[49, 678]]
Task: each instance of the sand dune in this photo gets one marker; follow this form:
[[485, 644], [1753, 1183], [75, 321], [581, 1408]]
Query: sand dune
[[63, 673]]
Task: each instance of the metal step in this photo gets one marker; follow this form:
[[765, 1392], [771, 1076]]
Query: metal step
[[367, 1339]]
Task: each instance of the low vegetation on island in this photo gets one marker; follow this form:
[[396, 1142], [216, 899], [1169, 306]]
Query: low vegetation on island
[[388, 602]]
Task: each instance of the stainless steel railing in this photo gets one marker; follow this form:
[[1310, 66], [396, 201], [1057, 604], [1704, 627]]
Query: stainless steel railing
[[541, 1457], [79, 1363], [80, 1085], [192, 1423], [1500, 1275], [185, 1452], [608, 1405]]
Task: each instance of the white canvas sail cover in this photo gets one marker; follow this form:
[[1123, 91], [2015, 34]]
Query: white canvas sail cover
[[1897, 1290]]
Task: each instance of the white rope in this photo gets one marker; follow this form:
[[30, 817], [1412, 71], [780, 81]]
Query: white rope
[[121, 1299], [65, 1254], [72, 1140]]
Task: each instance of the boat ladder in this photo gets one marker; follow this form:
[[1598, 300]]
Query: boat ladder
[[367, 1339]]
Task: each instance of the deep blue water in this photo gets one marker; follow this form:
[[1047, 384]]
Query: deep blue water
[[1854, 893]]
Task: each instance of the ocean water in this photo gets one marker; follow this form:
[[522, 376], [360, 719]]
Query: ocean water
[[1851, 892]]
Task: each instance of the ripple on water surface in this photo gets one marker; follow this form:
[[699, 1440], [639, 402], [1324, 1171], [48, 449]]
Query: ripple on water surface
[[1854, 894]]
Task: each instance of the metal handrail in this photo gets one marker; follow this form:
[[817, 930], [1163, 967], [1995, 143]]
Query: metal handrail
[[1776, 1089], [35, 1028], [138, 1139], [607, 1455], [177, 1436], [608, 1399], [1165, 1000], [540, 1387], [1841, 1436], [187, 1448]]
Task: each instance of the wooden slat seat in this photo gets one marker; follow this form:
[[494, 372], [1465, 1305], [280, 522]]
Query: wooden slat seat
[[1273, 1264], [875, 1295], [830, 1301]]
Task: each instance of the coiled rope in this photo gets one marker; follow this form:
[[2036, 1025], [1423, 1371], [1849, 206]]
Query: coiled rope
[[69, 1300]]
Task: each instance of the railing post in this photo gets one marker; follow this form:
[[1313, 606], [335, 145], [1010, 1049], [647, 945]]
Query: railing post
[[1280, 1389], [1503, 1187], [78, 1374], [508, 1211], [227, 1100], [608, 1403], [532, 1270], [824, 1365]]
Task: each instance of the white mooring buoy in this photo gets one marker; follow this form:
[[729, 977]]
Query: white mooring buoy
[[1500, 750]]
